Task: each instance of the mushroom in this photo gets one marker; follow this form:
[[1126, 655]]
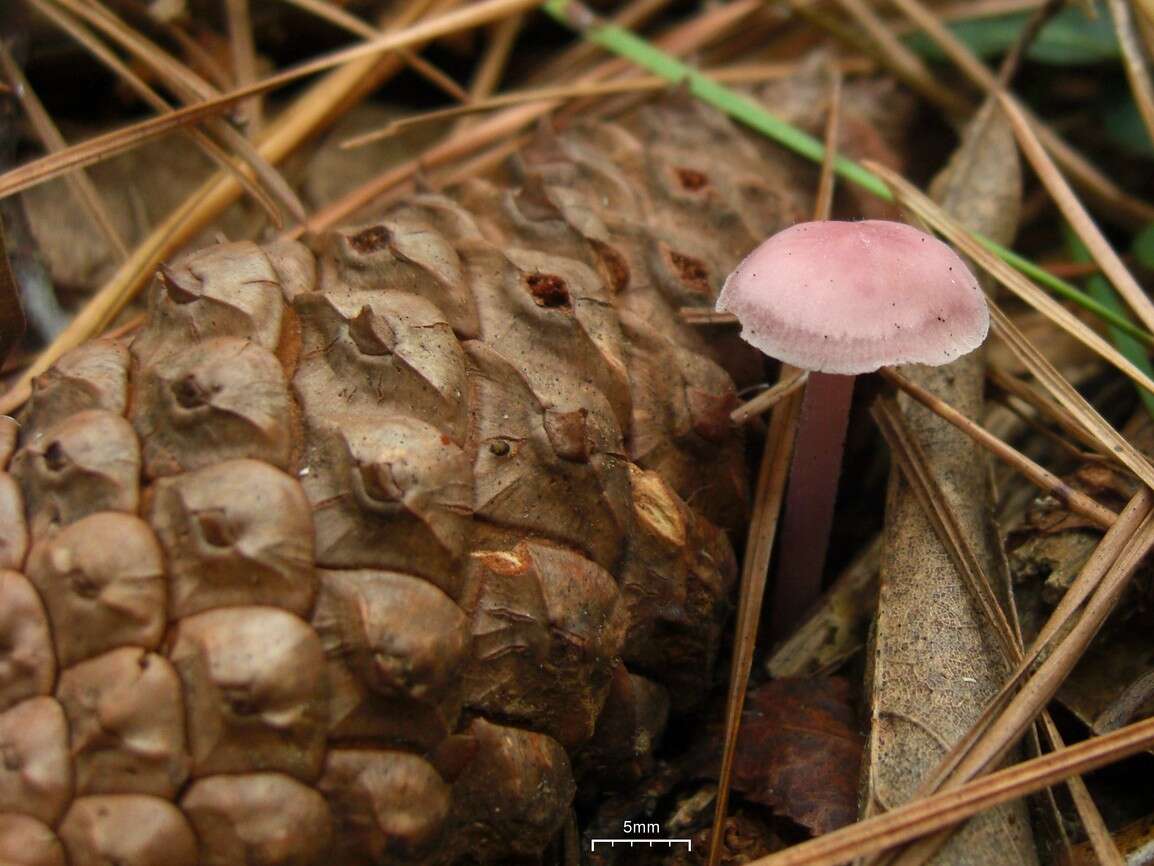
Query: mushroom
[[838, 299]]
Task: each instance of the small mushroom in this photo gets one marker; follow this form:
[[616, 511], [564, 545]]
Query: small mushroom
[[839, 299]]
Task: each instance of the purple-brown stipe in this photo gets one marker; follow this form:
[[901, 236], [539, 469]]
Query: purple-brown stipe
[[809, 499]]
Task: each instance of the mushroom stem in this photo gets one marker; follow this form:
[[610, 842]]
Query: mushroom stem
[[809, 503]]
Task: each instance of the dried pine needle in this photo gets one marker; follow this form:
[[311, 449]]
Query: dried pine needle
[[1068, 397], [501, 127], [347, 21], [769, 398], [190, 88], [703, 316], [754, 579], [1135, 61], [1079, 219], [1037, 425], [632, 15], [979, 250], [972, 10], [1071, 499], [648, 56], [973, 68], [105, 146], [763, 524], [310, 111], [1100, 289], [244, 64], [92, 44], [80, 183], [921, 817], [495, 61], [823, 198], [915, 466], [738, 75], [183, 80], [986, 750], [996, 728], [1045, 407], [902, 60]]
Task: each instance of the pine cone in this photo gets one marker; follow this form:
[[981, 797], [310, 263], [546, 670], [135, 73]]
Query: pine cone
[[368, 553]]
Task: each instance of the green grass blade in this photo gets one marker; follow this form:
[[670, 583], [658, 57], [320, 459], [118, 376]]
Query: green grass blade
[[1101, 290], [636, 49]]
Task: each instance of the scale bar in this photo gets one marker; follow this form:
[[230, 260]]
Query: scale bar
[[631, 842]]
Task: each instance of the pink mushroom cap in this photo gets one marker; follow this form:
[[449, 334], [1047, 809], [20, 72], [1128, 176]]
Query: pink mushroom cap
[[850, 297]]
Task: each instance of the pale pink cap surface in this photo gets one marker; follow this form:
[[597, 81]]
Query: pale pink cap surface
[[849, 297]]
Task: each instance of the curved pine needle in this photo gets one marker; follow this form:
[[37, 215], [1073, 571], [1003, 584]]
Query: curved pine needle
[[737, 75], [92, 44], [243, 50], [1135, 62], [650, 57], [119, 141], [79, 181], [768, 398], [1071, 499], [1015, 281], [191, 88], [1079, 168], [1079, 219], [347, 21]]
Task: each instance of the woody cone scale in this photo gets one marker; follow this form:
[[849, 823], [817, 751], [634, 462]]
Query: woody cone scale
[[369, 552]]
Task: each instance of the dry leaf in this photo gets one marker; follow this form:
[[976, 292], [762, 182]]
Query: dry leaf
[[935, 662], [798, 752]]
